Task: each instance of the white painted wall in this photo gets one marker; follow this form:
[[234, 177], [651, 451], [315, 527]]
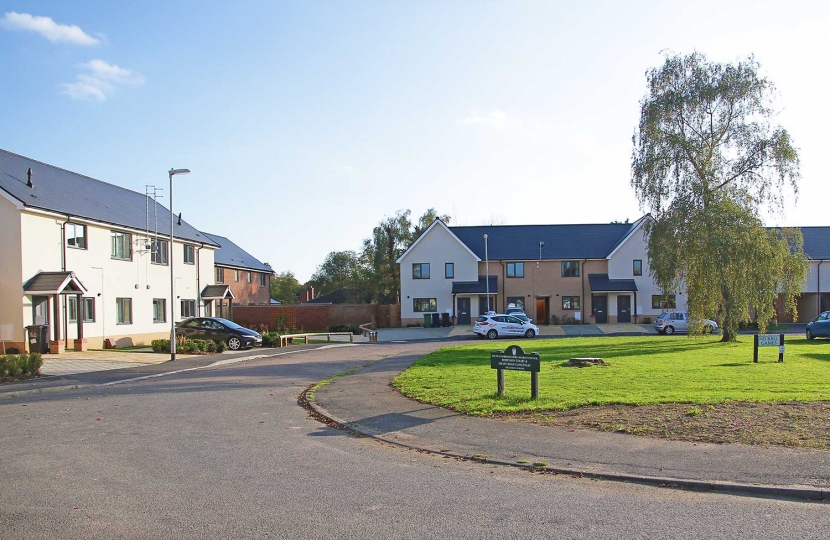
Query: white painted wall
[[621, 266], [437, 248], [10, 271], [107, 279], [812, 283]]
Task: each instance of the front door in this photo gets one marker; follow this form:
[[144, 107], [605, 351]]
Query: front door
[[600, 308], [624, 308], [463, 311], [40, 310], [542, 310]]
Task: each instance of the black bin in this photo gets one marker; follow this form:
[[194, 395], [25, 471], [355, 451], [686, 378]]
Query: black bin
[[38, 336], [445, 319], [436, 320]]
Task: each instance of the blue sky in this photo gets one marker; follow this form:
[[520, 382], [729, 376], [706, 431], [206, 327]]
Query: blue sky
[[305, 123]]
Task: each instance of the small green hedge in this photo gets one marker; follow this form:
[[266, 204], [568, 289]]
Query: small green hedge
[[271, 339], [20, 366], [189, 346], [353, 328]]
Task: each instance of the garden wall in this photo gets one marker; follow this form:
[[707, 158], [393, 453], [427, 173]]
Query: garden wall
[[317, 316]]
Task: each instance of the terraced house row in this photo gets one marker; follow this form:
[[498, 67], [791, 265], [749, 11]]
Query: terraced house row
[[91, 260], [592, 273]]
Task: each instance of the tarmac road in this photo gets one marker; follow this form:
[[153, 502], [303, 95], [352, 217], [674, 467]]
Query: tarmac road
[[226, 452]]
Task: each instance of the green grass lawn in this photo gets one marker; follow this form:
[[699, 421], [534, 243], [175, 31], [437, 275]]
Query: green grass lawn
[[642, 370]]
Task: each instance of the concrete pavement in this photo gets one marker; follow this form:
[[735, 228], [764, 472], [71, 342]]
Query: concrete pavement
[[365, 402]]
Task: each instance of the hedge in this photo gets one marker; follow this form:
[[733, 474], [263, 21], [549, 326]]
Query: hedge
[[20, 366]]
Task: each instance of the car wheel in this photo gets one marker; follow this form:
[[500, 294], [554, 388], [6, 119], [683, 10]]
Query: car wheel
[[707, 329], [530, 333], [234, 343], [669, 330], [492, 334], [810, 335]]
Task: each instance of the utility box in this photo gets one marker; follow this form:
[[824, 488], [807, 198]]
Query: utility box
[[38, 338]]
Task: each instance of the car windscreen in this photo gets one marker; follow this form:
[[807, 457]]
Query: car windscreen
[[229, 324]]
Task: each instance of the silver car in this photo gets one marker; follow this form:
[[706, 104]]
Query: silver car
[[678, 321]]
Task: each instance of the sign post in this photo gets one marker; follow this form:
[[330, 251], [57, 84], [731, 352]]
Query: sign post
[[514, 358], [768, 340]]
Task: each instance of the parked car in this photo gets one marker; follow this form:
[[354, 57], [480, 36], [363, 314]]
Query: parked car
[[514, 311], [521, 316], [218, 329], [820, 326], [494, 325], [678, 321]]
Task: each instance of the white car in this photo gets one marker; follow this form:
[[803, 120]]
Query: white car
[[678, 321], [494, 325]]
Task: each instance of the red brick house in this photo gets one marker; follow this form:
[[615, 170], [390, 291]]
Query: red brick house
[[247, 280]]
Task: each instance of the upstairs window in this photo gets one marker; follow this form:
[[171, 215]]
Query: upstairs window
[[250, 277], [122, 246], [263, 280], [449, 270], [220, 275], [516, 269], [420, 271], [189, 254], [638, 267], [75, 235], [570, 268], [159, 252]]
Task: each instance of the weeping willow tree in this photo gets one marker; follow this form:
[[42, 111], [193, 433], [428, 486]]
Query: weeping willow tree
[[706, 160]]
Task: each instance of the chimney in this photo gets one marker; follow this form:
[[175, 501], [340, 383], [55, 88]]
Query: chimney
[[29, 183]]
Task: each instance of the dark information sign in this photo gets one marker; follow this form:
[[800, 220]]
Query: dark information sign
[[516, 359]]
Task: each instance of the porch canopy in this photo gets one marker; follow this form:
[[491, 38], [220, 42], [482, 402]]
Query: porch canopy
[[601, 283], [476, 287], [217, 292], [52, 283]]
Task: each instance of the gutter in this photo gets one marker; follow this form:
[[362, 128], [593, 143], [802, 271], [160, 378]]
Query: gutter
[[58, 296]]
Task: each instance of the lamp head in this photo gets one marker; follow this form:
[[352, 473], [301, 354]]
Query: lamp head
[[174, 172]]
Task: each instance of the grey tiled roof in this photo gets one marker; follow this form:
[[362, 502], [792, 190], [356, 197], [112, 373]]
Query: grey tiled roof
[[521, 242], [65, 192], [229, 254], [816, 242], [55, 282], [216, 291]]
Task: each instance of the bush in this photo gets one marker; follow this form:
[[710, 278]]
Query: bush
[[220, 346], [15, 366], [270, 339], [353, 328], [188, 346], [160, 345]]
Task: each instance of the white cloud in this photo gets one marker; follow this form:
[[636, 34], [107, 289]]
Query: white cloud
[[48, 28], [494, 118], [101, 81]]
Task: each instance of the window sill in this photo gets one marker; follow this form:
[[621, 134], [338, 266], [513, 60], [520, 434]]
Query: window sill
[[123, 323], [76, 247], [190, 263], [159, 264], [121, 259]]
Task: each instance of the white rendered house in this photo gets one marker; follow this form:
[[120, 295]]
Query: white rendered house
[[87, 259]]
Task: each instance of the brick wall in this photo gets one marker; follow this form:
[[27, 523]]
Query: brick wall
[[317, 317]]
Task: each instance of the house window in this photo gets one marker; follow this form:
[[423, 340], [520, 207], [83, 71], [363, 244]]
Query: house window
[[236, 275], [638, 267], [516, 301], [159, 253], [122, 246], [89, 309], [159, 310], [420, 271], [263, 280], [188, 309], [189, 254], [663, 301], [449, 270], [570, 268], [570, 302], [250, 277], [75, 235], [72, 309], [220, 275], [124, 310], [424, 305], [515, 269]]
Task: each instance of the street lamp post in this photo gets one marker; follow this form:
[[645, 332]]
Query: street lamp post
[[172, 173], [487, 272]]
